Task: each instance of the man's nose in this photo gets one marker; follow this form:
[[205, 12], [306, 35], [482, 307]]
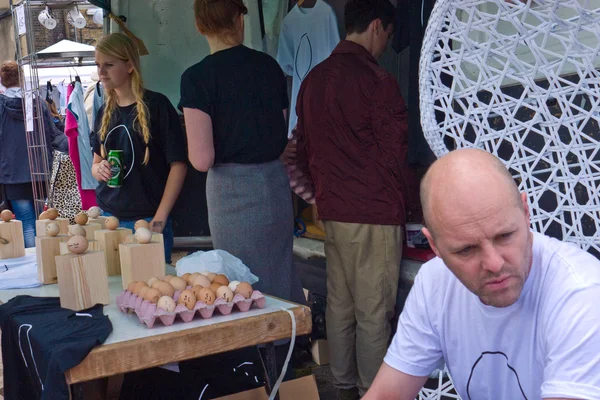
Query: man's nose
[[491, 259]]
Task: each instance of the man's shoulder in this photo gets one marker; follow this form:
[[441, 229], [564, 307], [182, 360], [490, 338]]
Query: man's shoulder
[[435, 277], [565, 265]]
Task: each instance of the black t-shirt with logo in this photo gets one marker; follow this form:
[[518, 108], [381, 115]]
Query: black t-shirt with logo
[[143, 185]]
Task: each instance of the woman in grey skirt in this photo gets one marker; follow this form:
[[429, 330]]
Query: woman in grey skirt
[[235, 102]]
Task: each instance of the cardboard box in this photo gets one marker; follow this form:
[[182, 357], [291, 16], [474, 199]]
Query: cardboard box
[[298, 389], [320, 352]]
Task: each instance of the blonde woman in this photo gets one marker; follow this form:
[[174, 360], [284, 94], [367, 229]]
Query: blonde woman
[[145, 126]]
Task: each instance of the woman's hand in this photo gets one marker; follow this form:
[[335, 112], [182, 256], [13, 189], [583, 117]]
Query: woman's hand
[[101, 171], [157, 225]]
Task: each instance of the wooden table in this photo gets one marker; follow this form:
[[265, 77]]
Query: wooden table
[[132, 346]]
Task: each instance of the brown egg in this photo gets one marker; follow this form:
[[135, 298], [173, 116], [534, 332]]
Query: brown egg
[[222, 279], [138, 286], [78, 230], [178, 283], [225, 293], [52, 213], [168, 278], [152, 280], [152, 295], [202, 281], [131, 286], [94, 212], [188, 299], [244, 289], [166, 289], [166, 303], [44, 215], [207, 296], [6, 215], [142, 223], [143, 291], [77, 244], [211, 276], [112, 223], [156, 283], [215, 286], [196, 290], [81, 218], [191, 278], [186, 277], [52, 229]]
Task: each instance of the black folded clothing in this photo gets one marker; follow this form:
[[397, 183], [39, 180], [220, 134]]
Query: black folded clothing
[[41, 341]]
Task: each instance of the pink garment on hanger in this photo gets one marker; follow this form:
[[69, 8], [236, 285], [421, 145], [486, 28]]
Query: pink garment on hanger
[[88, 197]]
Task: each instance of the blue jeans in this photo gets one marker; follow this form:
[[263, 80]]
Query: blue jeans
[[167, 233], [25, 212]]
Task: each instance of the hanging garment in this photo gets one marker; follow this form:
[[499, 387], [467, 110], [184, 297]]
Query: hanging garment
[[308, 36], [98, 101], [54, 95], [64, 194], [93, 100], [62, 105], [77, 108], [274, 12], [88, 196], [252, 29]]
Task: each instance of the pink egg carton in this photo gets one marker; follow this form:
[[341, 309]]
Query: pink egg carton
[[148, 313]]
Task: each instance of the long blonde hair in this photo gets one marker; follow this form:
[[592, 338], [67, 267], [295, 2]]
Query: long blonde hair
[[120, 46]]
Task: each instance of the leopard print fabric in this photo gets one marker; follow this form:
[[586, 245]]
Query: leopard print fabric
[[64, 195]]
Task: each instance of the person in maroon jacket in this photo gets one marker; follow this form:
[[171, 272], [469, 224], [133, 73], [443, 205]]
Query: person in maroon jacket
[[352, 142]]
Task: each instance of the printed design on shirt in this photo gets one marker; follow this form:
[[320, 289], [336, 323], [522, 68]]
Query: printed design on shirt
[[495, 364], [306, 46], [123, 142], [29, 327]]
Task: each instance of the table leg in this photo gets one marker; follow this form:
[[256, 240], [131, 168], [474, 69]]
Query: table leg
[[269, 364]]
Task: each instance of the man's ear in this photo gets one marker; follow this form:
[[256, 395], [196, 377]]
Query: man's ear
[[526, 207], [376, 26], [429, 237]]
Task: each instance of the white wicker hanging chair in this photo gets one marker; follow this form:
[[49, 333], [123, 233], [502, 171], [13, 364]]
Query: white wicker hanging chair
[[519, 79]]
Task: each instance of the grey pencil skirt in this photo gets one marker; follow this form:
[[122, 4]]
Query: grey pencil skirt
[[250, 215]]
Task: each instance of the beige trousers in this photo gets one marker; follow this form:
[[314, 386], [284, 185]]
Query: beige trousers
[[363, 270]]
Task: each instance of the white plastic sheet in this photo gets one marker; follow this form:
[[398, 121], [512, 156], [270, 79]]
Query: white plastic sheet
[[219, 262]]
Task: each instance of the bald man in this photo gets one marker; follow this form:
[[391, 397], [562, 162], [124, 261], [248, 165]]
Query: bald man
[[514, 314]]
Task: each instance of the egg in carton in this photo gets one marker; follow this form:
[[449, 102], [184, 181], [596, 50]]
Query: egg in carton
[[149, 312]]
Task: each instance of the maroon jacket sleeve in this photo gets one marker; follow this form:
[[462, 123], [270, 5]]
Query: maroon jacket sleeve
[[390, 125], [296, 157]]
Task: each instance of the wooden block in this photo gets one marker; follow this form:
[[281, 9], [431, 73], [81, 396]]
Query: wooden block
[[93, 245], [46, 249], [99, 220], [41, 224], [140, 262], [82, 280], [320, 352], [109, 241], [156, 237], [90, 230], [12, 243]]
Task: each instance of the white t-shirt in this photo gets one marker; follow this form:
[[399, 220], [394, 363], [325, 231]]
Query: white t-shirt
[[545, 345], [308, 36]]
